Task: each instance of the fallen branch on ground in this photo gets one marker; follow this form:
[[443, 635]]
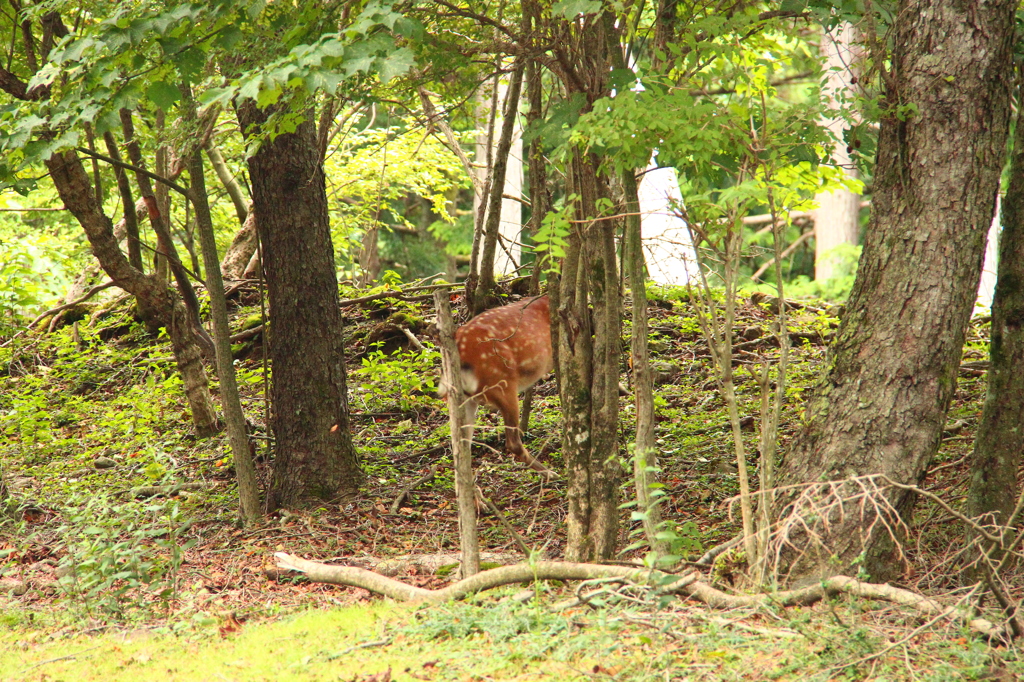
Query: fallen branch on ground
[[169, 490], [668, 583], [61, 308], [396, 505]]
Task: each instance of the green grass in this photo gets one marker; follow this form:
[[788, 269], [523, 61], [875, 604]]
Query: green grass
[[844, 640]]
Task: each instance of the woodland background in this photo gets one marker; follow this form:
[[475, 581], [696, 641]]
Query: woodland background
[[222, 227]]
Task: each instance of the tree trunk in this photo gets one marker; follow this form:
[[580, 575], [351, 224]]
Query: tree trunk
[[461, 417], [231, 185], [588, 369], [999, 443], [165, 244], [72, 184], [314, 456], [243, 247], [586, 347], [131, 220], [882, 406], [234, 418], [369, 256], [645, 456], [495, 202]]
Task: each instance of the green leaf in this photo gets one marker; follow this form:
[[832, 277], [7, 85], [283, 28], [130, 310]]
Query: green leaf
[[794, 6], [191, 62], [228, 37], [221, 96], [396, 64], [163, 94], [250, 89], [254, 8]]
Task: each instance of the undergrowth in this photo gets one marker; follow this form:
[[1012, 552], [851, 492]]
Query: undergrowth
[[88, 416]]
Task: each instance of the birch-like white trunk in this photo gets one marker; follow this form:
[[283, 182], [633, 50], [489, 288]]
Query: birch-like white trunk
[[836, 221]]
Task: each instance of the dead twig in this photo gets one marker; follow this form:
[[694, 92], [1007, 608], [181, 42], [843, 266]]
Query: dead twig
[[516, 537], [412, 486]]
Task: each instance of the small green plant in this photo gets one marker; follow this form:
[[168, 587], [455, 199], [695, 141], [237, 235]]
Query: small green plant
[[118, 551], [395, 380]]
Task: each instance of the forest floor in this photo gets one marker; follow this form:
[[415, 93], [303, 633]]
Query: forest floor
[[93, 422]]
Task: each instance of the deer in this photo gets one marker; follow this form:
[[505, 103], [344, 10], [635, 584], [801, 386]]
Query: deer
[[502, 352]]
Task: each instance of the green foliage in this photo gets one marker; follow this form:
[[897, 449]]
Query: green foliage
[[396, 380], [459, 621], [373, 173], [553, 236], [117, 552], [35, 270], [837, 288]]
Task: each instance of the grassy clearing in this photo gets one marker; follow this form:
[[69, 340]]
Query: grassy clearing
[[488, 641]]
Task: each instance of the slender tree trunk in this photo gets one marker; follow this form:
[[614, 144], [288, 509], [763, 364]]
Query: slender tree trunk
[[540, 197], [131, 221], [72, 184], [492, 224], [369, 256], [315, 459], [837, 218], [165, 244], [461, 418], [645, 456], [231, 185], [999, 444], [882, 406], [234, 418]]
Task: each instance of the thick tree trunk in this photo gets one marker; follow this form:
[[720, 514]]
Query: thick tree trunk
[[314, 456], [72, 184], [589, 369], [882, 405], [587, 352], [999, 445]]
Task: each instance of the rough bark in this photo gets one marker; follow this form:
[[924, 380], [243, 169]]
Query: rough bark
[[72, 184], [315, 459], [587, 352], [573, 355], [589, 381], [882, 405], [999, 444]]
